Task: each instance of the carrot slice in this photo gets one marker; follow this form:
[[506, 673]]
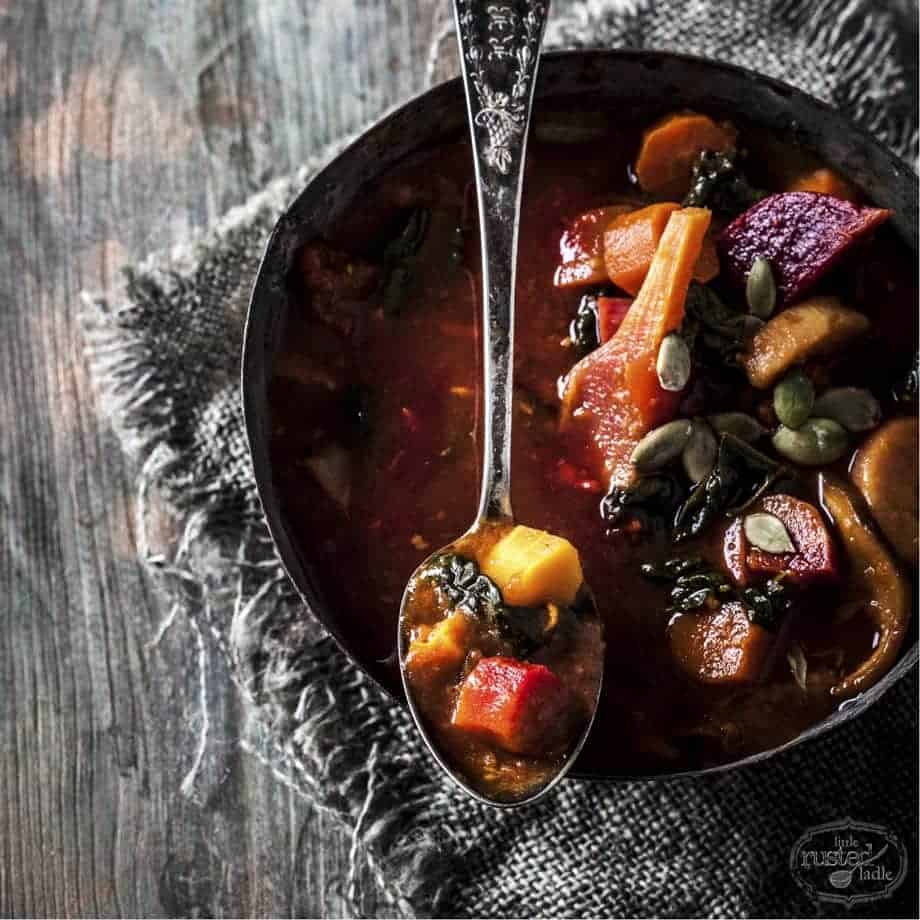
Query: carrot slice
[[581, 247], [611, 311], [670, 146], [630, 243], [826, 182], [612, 397]]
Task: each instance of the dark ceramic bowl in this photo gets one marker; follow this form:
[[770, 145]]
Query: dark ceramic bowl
[[632, 84]]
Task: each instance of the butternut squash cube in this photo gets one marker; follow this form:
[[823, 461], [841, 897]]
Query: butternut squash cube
[[440, 647], [533, 567]]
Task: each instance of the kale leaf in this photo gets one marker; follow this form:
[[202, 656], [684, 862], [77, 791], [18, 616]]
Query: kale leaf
[[719, 184], [696, 585], [583, 328], [714, 332], [740, 475], [647, 504]]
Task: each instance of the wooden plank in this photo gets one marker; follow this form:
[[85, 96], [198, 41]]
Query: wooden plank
[[126, 124]]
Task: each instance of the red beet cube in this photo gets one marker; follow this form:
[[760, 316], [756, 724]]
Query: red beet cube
[[802, 234], [815, 557], [517, 706]]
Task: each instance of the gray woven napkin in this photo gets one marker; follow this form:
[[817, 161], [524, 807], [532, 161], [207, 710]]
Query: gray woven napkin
[[165, 351]]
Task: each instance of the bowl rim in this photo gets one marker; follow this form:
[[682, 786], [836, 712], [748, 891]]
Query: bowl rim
[[253, 361]]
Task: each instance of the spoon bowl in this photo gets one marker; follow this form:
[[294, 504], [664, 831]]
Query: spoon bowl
[[526, 779], [479, 750]]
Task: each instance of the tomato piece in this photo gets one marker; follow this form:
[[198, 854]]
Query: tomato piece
[[518, 706]]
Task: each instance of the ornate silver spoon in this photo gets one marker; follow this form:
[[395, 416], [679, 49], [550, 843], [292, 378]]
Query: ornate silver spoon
[[499, 45]]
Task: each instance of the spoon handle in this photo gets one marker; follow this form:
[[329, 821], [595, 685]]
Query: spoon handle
[[499, 53]]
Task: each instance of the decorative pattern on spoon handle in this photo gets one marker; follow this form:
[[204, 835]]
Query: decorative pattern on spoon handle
[[500, 45]]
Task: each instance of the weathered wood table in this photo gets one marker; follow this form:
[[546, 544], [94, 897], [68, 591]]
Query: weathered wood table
[[127, 123]]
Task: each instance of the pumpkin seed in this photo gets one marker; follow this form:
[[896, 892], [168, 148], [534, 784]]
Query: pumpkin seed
[[761, 289], [661, 445], [818, 441], [699, 453], [768, 532], [855, 408], [740, 424], [673, 365], [793, 399]]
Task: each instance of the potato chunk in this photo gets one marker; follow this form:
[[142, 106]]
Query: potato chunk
[[885, 471], [533, 567], [814, 327], [723, 647], [440, 647]]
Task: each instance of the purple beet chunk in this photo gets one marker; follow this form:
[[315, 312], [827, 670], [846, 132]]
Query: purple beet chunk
[[802, 234]]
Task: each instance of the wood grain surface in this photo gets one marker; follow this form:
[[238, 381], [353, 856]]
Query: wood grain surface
[[127, 123]]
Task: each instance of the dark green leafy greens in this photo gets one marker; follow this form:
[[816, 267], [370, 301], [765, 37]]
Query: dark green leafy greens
[[399, 260], [714, 332], [718, 183], [648, 504], [467, 589], [740, 475], [696, 585], [583, 328]]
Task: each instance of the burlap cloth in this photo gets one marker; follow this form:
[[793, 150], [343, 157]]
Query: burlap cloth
[[166, 351]]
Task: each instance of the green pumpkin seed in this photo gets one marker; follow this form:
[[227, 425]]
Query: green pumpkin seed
[[662, 445], [761, 289], [818, 441], [768, 532], [855, 408], [699, 454], [673, 365], [793, 399], [740, 424]]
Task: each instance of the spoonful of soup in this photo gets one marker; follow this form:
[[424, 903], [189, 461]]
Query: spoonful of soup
[[500, 643]]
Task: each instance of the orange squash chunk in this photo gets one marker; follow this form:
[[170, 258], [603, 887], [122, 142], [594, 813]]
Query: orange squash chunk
[[723, 647], [612, 396], [826, 182], [670, 147], [581, 247], [630, 243]]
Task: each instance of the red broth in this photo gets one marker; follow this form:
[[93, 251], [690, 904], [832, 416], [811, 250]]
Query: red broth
[[407, 481]]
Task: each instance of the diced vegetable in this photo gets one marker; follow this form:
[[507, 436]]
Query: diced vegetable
[[611, 311], [885, 472], [723, 647], [581, 247], [802, 234], [813, 328], [614, 392], [518, 706], [441, 647], [671, 146], [826, 182], [533, 567], [630, 242], [815, 557], [873, 578]]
